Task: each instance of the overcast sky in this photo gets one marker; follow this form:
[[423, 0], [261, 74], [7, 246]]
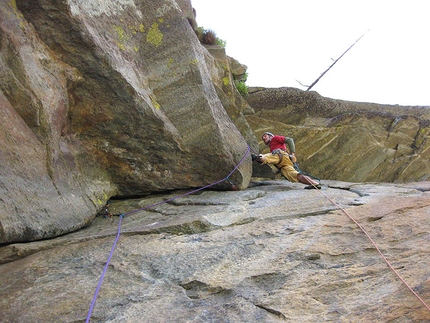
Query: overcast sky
[[284, 42]]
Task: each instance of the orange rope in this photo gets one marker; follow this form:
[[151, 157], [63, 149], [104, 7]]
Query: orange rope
[[376, 247]]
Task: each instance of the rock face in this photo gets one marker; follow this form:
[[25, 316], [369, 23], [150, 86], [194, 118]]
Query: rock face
[[343, 140], [271, 253], [102, 99], [107, 98], [117, 98]]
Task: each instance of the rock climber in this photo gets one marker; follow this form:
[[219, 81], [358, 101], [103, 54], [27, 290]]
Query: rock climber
[[284, 159]]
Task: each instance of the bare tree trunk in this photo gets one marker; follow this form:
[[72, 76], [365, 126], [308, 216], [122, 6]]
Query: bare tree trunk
[[316, 81]]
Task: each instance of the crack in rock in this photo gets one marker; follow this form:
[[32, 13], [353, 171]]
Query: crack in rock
[[271, 311]]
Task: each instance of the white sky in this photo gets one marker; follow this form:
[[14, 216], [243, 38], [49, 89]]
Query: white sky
[[282, 41]]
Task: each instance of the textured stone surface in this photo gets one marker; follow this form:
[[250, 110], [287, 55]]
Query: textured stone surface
[[102, 99], [119, 98], [271, 253]]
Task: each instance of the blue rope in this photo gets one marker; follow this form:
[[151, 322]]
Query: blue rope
[[93, 303]]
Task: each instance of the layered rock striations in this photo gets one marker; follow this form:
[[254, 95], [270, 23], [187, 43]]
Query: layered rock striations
[[350, 141]]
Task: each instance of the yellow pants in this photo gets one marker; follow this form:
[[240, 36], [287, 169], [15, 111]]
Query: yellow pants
[[285, 165]]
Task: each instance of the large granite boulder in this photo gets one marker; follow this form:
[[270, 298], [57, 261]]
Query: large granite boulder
[[102, 99]]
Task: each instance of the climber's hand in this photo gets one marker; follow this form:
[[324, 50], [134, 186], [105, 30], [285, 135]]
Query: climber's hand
[[258, 158]]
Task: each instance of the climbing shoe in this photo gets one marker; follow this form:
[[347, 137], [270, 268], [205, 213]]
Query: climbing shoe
[[312, 187]]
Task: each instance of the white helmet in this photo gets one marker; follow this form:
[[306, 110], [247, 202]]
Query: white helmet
[[268, 133]]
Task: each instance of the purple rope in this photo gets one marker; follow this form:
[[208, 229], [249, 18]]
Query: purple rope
[[194, 191], [93, 303]]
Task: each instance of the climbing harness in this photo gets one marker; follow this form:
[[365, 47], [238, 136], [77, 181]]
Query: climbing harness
[[280, 154]]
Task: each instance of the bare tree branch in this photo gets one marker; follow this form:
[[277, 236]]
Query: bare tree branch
[[301, 83], [316, 81]]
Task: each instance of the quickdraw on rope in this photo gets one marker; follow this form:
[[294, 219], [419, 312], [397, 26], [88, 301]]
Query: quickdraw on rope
[[121, 216], [233, 186]]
